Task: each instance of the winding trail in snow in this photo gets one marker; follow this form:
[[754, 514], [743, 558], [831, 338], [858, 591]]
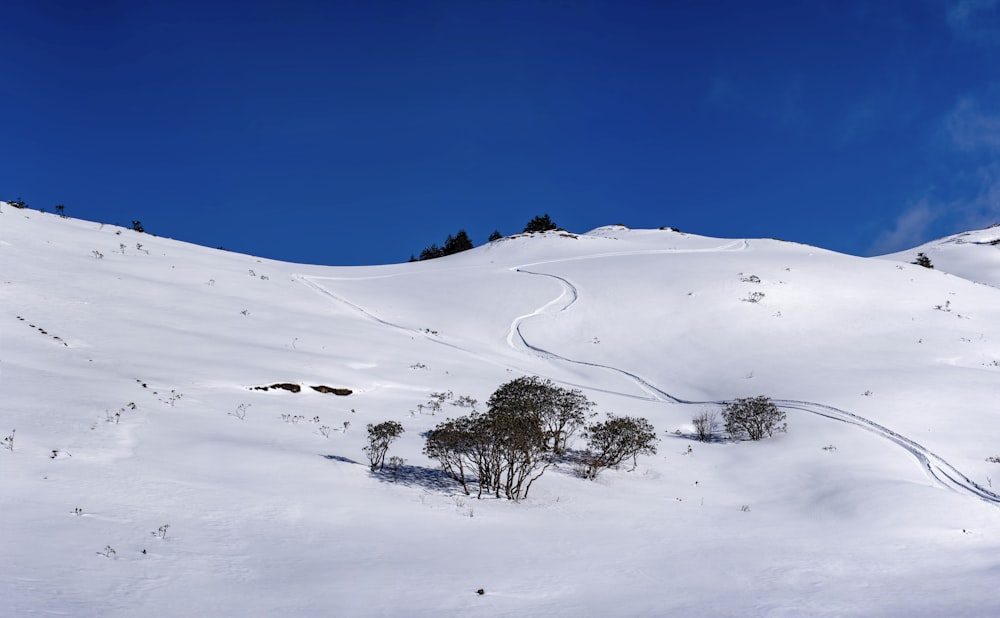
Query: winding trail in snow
[[937, 468]]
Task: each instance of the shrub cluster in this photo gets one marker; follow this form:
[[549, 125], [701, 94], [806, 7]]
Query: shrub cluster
[[527, 426], [504, 450]]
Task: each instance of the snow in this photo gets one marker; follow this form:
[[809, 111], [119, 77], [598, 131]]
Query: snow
[[973, 255], [878, 500]]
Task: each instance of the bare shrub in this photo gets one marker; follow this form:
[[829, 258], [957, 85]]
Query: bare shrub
[[706, 425]]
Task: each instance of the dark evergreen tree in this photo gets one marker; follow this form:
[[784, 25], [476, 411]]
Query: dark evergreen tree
[[539, 224], [923, 260], [429, 253], [496, 235], [453, 244], [460, 242]]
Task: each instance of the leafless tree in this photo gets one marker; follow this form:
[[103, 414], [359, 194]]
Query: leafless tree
[[706, 425]]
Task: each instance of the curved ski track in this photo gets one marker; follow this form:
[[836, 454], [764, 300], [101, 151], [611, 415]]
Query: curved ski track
[[937, 468]]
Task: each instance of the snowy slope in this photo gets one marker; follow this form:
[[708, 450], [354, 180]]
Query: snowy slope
[[973, 255], [878, 500]]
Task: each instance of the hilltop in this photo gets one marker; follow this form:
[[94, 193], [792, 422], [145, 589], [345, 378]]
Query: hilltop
[[974, 255]]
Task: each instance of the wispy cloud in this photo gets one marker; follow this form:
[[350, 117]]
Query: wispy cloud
[[984, 208], [971, 130], [971, 127], [930, 217], [909, 230], [975, 20]]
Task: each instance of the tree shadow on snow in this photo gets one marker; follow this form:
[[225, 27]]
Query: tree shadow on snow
[[410, 476], [692, 437], [417, 476], [340, 459]]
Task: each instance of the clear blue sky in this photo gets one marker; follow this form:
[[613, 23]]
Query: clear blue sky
[[360, 132]]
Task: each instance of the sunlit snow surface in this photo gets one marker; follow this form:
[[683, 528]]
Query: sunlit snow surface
[[877, 501]]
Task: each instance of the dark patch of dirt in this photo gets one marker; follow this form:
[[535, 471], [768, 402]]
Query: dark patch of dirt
[[294, 388], [343, 392]]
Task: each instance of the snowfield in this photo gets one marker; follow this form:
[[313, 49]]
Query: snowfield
[[149, 477]]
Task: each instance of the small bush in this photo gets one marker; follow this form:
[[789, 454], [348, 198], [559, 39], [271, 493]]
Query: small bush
[[923, 260], [706, 425], [396, 464], [753, 417], [615, 440], [379, 438]]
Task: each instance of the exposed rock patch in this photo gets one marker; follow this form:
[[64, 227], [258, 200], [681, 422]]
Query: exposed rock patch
[[295, 388], [343, 392]]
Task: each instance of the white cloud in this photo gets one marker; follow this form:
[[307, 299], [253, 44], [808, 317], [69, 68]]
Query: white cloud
[[909, 230], [971, 150], [970, 127], [975, 20], [984, 209], [929, 218]]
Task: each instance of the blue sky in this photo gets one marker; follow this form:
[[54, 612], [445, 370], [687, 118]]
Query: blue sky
[[360, 132]]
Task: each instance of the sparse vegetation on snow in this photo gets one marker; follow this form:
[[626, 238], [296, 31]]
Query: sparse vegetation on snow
[[142, 395]]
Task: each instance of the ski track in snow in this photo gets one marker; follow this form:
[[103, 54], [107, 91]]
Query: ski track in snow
[[937, 468]]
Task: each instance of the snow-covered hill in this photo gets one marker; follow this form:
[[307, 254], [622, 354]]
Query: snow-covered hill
[[972, 255], [128, 365]]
